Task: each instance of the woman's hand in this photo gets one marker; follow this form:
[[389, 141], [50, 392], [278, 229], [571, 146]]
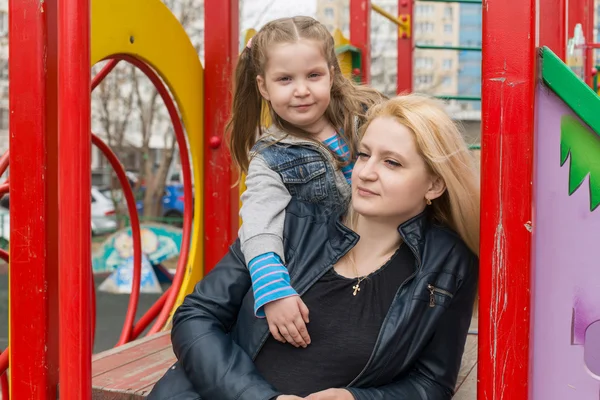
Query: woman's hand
[[288, 397], [331, 394]]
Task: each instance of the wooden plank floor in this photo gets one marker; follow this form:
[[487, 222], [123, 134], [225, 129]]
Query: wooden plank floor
[[467, 377]]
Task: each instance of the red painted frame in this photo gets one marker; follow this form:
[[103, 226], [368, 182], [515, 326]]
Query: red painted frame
[[360, 34], [553, 26], [33, 276], [221, 198], [405, 50], [506, 202], [74, 111]]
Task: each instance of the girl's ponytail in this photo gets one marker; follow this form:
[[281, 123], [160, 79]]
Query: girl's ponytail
[[244, 126]]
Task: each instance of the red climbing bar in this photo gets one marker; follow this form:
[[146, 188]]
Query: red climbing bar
[[360, 34], [220, 198], [405, 49], [508, 66], [33, 275], [74, 195], [553, 25]]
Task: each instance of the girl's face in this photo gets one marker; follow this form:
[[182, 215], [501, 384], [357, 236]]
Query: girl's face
[[390, 180], [297, 81]]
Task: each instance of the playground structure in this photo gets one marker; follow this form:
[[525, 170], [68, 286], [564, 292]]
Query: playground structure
[[52, 48]]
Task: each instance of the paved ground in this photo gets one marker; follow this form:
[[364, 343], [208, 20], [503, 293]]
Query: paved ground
[[110, 314]]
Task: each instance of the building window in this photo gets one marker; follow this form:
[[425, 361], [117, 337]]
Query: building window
[[424, 27], [329, 13], [424, 63], [424, 79], [447, 81], [447, 28], [448, 12], [447, 64]]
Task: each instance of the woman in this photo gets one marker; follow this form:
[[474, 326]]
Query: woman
[[390, 286]]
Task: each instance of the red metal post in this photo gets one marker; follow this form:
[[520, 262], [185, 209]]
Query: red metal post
[[74, 199], [221, 200], [33, 275], [405, 49], [360, 34], [508, 67], [553, 22]]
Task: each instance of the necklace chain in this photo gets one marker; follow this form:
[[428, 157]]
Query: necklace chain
[[359, 279]]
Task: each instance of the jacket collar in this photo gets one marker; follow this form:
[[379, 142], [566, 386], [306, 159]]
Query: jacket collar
[[413, 232]]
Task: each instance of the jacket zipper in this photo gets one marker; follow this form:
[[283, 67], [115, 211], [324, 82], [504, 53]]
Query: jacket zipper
[[433, 290], [387, 316]]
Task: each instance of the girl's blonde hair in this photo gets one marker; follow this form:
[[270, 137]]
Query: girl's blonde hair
[[348, 100], [447, 156]]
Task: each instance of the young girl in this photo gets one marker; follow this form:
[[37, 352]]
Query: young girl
[[290, 66]]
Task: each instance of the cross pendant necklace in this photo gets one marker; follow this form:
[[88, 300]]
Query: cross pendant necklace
[[357, 286]]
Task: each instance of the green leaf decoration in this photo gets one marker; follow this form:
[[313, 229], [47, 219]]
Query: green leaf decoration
[[581, 146]]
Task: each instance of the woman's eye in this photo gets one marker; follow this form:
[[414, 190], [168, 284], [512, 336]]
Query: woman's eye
[[393, 163]]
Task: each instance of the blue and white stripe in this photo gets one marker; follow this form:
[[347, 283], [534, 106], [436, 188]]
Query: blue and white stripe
[[337, 144], [270, 281]]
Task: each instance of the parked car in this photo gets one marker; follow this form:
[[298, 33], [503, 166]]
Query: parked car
[[4, 228], [102, 210], [103, 213]]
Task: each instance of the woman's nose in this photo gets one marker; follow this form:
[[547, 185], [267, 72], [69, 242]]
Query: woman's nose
[[368, 172]]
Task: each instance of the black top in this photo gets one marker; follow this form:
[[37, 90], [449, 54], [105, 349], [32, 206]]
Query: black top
[[343, 329]]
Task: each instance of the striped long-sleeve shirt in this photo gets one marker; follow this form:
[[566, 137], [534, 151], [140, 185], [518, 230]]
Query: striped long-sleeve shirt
[[270, 278]]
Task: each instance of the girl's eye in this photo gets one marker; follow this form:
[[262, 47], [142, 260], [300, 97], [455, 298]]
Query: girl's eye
[[362, 156], [315, 75], [284, 79]]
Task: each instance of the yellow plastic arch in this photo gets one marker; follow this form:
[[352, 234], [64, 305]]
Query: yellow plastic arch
[[147, 30]]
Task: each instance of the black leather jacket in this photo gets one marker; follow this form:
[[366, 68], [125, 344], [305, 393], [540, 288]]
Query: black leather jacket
[[417, 354]]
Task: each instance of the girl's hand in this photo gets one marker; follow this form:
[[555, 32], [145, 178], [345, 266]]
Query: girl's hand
[[288, 397], [331, 394], [287, 320]]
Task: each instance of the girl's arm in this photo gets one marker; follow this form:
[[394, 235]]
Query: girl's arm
[[263, 213]]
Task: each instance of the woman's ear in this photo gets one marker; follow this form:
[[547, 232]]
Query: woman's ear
[[262, 87], [436, 188]]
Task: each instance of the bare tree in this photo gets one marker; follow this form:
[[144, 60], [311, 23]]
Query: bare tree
[[154, 117], [132, 117], [112, 108]]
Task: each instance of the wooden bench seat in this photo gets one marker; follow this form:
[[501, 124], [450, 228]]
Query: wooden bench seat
[[131, 371]]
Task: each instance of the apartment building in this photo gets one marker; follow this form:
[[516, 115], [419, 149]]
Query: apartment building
[[435, 71]]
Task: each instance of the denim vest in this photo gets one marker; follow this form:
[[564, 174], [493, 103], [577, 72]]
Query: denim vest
[[307, 170]]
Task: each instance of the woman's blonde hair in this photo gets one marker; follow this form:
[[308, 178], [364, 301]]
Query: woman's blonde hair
[[447, 156], [348, 100]]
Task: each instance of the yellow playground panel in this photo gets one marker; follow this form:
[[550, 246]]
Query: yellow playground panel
[[148, 31]]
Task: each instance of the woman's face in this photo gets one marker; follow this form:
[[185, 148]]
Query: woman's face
[[390, 180]]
